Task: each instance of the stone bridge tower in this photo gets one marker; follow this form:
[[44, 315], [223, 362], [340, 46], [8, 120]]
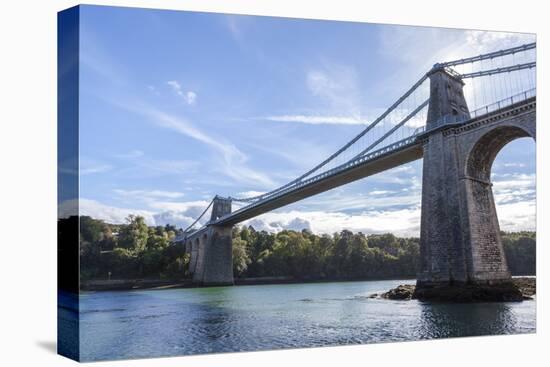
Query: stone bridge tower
[[220, 207], [211, 261], [460, 244]]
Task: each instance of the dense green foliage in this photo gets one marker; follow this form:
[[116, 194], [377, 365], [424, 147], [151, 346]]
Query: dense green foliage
[[520, 249], [304, 255], [131, 250], [134, 250]]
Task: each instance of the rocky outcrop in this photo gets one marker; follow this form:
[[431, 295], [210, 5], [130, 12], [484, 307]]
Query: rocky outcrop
[[516, 290], [528, 286], [402, 292]]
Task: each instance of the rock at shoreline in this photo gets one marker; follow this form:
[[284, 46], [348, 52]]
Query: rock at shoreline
[[515, 291], [402, 292], [528, 286]]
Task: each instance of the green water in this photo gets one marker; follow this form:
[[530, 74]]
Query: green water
[[153, 323]]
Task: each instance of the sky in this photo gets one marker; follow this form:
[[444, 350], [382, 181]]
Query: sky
[[177, 107]]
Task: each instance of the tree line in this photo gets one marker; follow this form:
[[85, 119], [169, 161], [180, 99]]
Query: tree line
[[135, 250]]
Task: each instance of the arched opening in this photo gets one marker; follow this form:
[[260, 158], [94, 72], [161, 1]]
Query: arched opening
[[483, 154], [513, 175], [489, 259]]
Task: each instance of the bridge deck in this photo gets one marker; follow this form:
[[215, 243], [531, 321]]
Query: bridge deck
[[408, 153], [384, 159]]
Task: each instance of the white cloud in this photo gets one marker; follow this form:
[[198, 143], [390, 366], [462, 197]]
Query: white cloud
[[334, 87], [97, 210], [510, 188], [189, 97], [404, 222], [233, 158], [487, 41], [337, 85], [381, 192], [358, 201], [513, 181], [319, 120], [176, 86], [516, 164], [236, 24], [140, 166], [88, 167], [250, 193], [519, 216], [150, 193], [295, 224], [188, 207], [185, 127], [232, 162], [515, 216], [183, 215], [418, 48], [178, 219]]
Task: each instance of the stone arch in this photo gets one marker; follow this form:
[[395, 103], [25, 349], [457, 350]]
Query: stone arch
[[487, 261], [482, 155]]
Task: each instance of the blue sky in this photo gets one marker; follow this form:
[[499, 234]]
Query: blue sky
[[176, 107]]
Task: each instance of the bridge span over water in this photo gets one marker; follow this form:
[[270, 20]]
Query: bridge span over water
[[456, 117]]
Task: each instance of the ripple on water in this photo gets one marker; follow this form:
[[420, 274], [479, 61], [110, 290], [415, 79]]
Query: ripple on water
[[189, 321]]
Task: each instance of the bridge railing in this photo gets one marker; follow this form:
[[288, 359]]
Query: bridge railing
[[516, 98], [505, 102]]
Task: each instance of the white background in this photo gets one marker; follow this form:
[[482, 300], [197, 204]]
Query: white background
[[28, 182]]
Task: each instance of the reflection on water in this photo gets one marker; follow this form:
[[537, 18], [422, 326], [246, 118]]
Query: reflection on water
[[137, 324], [448, 320]]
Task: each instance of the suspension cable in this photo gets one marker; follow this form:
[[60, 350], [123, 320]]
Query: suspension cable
[[343, 148], [199, 218], [477, 74], [392, 130], [490, 55]]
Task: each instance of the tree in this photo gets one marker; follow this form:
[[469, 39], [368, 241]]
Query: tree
[[240, 257], [133, 236], [520, 252]]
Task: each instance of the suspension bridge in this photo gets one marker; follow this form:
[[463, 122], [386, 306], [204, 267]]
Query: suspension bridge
[[456, 117]]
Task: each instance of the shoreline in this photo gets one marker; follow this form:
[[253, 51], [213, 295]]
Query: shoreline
[[103, 285], [157, 284]]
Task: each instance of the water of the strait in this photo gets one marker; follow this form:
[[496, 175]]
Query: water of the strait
[[152, 323]]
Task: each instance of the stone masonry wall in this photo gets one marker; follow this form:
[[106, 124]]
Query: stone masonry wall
[[460, 235], [211, 261]]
